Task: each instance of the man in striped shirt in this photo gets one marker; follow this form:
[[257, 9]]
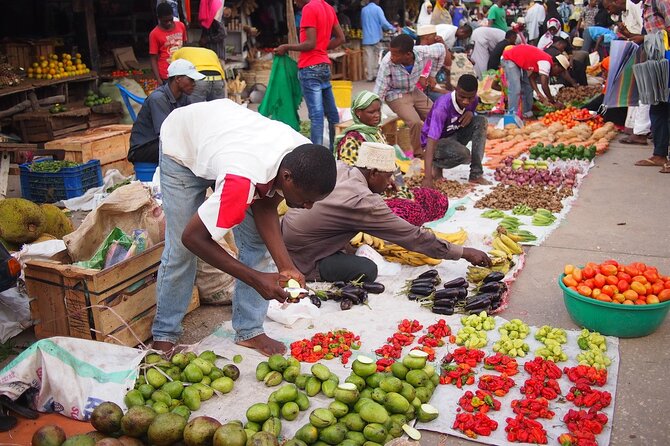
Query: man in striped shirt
[[401, 71]]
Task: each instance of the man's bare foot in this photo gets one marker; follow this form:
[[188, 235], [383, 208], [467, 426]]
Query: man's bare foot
[[264, 344], [480, 180]]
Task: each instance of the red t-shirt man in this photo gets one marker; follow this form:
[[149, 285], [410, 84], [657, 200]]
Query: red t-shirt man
[[166, 38], [321, 16]]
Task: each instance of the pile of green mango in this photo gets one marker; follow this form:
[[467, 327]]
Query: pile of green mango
[[370, 408], [181, 384]]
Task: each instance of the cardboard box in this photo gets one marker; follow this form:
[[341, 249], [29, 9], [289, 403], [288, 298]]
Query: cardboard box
[[109, 144], [115, 305]]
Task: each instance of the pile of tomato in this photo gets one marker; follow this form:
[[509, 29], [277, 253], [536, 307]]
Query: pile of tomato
[[571, 116], [125, 73], [334, 344], [633, 284]]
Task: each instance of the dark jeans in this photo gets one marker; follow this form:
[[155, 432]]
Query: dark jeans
[[660, 127], [451, 151], [146, 153], [346, 267], [318, 94]]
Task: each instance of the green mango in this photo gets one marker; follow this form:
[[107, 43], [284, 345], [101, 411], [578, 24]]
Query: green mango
[[191, 398]]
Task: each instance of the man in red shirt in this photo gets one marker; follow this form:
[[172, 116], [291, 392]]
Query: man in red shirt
[[523, 64], [166, 38], [319, 32]]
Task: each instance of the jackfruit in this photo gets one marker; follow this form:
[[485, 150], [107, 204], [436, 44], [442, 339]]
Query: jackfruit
[[44, 237], [57, 223], [21, 221]]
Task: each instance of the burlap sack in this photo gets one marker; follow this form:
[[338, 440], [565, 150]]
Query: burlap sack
[[129, 207], [214, 286]]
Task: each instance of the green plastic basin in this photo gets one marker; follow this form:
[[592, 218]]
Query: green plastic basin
[[624, 321]]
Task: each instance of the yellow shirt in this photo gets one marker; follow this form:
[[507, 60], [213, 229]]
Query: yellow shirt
[[203, 58]]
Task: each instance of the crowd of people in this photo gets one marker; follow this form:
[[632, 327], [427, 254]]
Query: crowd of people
[[252, 163]]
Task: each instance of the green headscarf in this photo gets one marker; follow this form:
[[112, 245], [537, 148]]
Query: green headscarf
[[362, 101]]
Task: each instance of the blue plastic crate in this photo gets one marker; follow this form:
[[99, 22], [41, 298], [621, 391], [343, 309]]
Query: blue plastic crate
[[69, 182]]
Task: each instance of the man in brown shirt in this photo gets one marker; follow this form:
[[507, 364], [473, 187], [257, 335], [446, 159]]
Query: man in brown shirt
[[317, 241]]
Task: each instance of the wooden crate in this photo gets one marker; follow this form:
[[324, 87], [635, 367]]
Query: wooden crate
[[42, 126], [389, 129], [108, 305], [24, 53], [355, 70], [109, 144]]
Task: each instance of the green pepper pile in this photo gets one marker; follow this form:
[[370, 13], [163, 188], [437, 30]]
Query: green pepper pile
[[561, 151]]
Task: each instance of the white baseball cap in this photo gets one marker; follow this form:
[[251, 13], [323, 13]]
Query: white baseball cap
[[182, 67], [372, 155]]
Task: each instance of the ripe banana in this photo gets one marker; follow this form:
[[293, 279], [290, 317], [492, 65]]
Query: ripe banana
[[357, 240], [511, 244], [367, 239], [499, 245], [500, 253], [457, 238]]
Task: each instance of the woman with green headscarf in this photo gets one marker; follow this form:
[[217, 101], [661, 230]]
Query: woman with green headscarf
[[367, 115]]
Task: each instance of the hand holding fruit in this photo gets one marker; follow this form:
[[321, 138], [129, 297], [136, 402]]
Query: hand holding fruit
[[476, 257]]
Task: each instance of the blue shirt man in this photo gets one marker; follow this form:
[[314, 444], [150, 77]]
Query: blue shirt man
[[374, 24]]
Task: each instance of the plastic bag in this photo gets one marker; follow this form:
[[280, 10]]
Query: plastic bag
[[117, 247], [384, 268], [71, 376]]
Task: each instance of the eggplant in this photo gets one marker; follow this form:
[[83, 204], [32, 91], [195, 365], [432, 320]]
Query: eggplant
[[422, 290], [457, 283], [483, 300], [346, 304], [494, 276], [333, 295], [493, 287], [423, 282], [444, 310], [374, 287], [349, 288], [315, 300], [430, 273], [451, 293], [412, 296], [339, 284], [462, 293], [351, 297]]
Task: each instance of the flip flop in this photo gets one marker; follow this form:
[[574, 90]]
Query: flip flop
[[666, 168], [627, 140], [7, 423], [649, 163], [18, 407]]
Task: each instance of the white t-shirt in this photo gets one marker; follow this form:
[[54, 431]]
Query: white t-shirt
[[238, 148]]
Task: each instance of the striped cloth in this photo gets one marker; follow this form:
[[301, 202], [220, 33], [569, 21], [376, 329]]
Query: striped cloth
[[621, 89]]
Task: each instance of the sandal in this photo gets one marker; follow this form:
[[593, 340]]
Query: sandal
[[666, 168], [650, 163], [632, 141]]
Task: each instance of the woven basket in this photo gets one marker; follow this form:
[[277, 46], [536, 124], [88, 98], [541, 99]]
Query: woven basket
[[263, 77], [248, 76], [404, 139], [260, 65]]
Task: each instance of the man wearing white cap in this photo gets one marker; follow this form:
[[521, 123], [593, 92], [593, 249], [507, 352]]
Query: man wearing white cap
[[157, 106], [318, 240], [523, 64]]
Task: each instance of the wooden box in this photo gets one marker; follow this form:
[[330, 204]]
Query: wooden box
[[389, 129], [109, 144], [355, 70], [115, 305], [42, 126]]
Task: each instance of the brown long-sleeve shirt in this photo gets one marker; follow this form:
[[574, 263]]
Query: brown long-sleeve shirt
[[311, 235]]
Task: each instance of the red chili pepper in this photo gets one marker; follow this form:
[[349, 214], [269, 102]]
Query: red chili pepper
[[536, 388], [533, 408], [587, 375], [585, 425], [502, 363], [523, 430], [325, 346], [458, 375], [582, 395], [474, 425], [464, 355], [478, 402], [498, 385], [541, 368]]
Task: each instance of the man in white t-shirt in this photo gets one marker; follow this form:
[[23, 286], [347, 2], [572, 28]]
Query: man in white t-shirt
[[251, 162]]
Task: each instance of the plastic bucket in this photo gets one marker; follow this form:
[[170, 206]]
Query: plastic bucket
[[145, 171], [624, 321], [342, 93]]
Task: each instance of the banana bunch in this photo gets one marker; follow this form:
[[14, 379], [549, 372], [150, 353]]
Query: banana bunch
[[493, 214], [503, 242], [510, 223], [543, 217], [457, 238], [398, 254]]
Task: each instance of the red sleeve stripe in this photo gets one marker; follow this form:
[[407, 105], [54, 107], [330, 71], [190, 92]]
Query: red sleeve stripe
[[233, 202]]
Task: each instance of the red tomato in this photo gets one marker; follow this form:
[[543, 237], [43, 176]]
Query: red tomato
[[631, 270], [577, 274], [569, 281], [611, 262], [650, 274], [589, 283], [640, 279], [657, 287], [664, 295], [623, 285], [588, 272], [584, 291], [609, 269], [624, 276], [610, 290], [638, 288], [599, 280], [612, 280]]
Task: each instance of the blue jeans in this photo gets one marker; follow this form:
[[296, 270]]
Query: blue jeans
[[208, 90], [517, 85], [659, 115], [318, 94], [183, 193]]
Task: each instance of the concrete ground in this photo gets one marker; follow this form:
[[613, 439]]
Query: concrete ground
[[620, 214]]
